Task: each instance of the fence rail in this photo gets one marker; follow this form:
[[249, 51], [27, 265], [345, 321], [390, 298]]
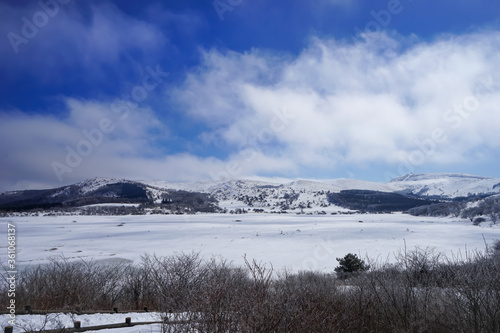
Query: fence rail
[[78, 328], [28, 310], [77, 324]]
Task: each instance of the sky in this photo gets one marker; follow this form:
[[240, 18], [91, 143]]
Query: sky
[[195, 90]]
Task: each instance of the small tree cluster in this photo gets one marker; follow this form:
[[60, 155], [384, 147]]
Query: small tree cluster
[[486, 207], [350, 265], [476, 213]]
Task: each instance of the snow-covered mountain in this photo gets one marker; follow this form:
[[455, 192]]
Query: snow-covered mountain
[[447, 185], [253, 195], [274, 196]]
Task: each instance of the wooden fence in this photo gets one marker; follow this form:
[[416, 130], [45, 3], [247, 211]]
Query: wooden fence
[[77, 324], [78, 327], [29, 310]]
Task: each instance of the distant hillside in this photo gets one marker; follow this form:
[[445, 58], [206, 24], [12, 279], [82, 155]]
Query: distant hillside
[[375, 201], [447, 185], [476, 208], [236, 196], [105, 191]]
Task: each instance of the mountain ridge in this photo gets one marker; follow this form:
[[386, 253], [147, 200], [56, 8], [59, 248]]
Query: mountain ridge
[[241, 194], [448, 185]]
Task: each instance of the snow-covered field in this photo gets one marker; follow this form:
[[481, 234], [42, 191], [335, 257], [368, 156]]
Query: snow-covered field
[[296, 242]]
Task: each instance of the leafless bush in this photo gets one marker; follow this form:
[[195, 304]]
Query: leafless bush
[[403, 295], [257, 309], [139, 289], [176, 280], [64, 284], [473, 295], [425, 292], [311, 302], [216, 301], [422, 291], [495, 250]]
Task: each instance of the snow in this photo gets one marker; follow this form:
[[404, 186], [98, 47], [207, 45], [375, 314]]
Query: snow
[[64, 191], [136, 329], [112, 205], [295, 242], [93, 184], [294, 195], [60, 320], [334, 185], [350, 184], [272, 196], [446, 184], [230, 193]]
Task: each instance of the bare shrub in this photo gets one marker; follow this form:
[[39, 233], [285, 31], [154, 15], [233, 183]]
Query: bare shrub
[[64, 284], [256, 306], [139, 289], [473, 296], [175, 280], [220, 291], [422, 291], [310, 302]]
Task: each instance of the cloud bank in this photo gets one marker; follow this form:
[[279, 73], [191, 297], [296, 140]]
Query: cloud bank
[[384, 101]]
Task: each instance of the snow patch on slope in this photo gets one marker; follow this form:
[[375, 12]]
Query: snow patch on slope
[[94, 184], [449, 185]]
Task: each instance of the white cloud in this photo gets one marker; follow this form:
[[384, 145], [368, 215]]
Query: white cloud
[[336, 105], [94, 141], [33, 143], [213, 91], [373, 102]]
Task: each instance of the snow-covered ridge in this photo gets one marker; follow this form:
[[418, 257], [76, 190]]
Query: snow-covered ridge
[[273, 195], [450, 185], [333, 185], [437, 176], [313, 193], [256, 195], [93, 184]]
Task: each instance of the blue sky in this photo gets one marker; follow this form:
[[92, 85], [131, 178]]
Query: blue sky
[[214, 90]]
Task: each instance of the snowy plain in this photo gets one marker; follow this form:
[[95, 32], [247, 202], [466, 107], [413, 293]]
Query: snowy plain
[[287, 241], [294, 242]]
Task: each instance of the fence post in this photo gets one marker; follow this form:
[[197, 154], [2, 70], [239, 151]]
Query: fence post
[[115, 310], [8, 329], [128, 321], [77, 324], [145, 309]]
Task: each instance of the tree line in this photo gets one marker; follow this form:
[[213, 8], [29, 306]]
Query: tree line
[[476, 209]]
